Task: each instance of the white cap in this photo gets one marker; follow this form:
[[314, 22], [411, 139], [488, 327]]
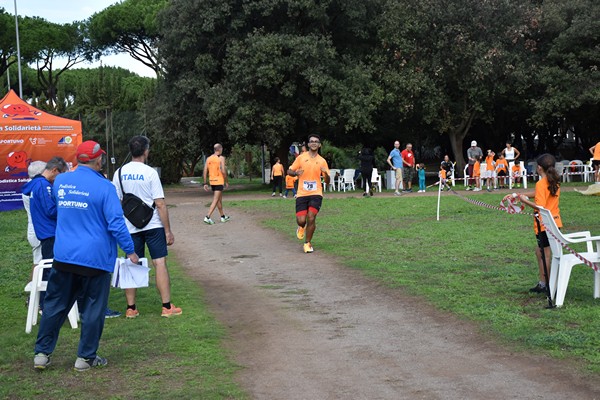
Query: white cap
[[473, 143]]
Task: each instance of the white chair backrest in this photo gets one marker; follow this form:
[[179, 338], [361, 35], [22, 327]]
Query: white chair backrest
[[375, 177], [559, 166], [552, 231], [348, 175]]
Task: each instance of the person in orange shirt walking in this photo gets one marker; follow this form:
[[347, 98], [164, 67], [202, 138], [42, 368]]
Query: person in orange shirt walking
[[309, 167], [277, 177], [215, 173], [547, 195], [290, 185]]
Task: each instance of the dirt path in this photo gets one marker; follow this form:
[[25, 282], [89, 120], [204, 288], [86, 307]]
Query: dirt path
[[305, 327]]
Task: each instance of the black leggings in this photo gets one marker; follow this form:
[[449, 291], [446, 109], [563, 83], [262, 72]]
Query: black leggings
[[278, 183], [367, 176]]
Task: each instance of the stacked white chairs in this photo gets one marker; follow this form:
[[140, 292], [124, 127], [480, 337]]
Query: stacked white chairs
[[563, 261], [346, 180], [35, 287]]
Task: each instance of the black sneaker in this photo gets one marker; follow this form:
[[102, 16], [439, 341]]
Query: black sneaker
[[538, 289]]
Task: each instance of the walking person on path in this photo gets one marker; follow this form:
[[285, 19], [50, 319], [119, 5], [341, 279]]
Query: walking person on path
[[144, 182], [309, 167], [89, 225], [277, 177], [215, 174]]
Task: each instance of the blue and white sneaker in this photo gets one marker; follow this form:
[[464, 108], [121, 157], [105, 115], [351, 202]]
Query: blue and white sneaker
[[111, 313]]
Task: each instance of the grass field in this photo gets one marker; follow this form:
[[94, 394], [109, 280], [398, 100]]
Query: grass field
[[149, 357], [475, 262]]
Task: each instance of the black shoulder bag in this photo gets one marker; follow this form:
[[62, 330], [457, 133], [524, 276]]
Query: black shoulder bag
[[135, 209]]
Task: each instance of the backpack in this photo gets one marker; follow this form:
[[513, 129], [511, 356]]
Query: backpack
[[135, 209]]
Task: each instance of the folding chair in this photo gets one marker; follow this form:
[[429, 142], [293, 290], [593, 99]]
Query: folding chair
[[563, 262], [35, 287]]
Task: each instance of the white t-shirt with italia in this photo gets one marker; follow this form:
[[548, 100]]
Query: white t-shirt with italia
[[143, 181]]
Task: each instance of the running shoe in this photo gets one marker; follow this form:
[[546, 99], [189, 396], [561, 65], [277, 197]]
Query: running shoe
[[300, 233], [225, 218], [130, 313], [308, 248], [111, 313], [41, 361], [208, 221], [169, 312], [83, 364]]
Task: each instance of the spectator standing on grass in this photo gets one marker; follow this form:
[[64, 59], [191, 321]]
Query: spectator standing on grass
[[144, 182], [34, 169], [422, 176], [408, 160], [396, 162], [277, 177], [490, 170], [510, 153], [367, 160], [309, 167], [43, 210], [547, 195], [89, 225], [215, 174], [472, 153], [595, 151], [477, 174]]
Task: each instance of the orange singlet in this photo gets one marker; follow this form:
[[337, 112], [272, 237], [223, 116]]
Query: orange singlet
[[215, 176]]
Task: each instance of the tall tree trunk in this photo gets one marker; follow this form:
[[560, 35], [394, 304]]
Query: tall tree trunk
[[457, 135]]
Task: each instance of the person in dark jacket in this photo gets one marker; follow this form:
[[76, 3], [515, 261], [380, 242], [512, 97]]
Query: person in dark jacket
[[89, 224], [367, 162]]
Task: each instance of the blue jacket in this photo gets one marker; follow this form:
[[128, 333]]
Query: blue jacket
[[42, 206], [90, 220]]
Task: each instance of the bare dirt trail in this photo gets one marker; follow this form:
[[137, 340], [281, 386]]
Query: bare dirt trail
[[304, 327]]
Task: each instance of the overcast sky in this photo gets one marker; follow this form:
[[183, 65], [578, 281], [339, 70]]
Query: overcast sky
[[63, 11]]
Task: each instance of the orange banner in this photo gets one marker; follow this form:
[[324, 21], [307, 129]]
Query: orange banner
[[28, 134]]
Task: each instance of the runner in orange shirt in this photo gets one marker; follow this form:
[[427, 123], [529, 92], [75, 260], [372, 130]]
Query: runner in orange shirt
[[309, 167], [216, 172]]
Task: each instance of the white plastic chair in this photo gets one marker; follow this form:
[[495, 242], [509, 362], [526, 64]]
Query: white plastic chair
[[346, 180], [376, 180], [35, 287], [563, 262], [333, 179], [560, 169], [452, 175], [466, 175], [576, 168]]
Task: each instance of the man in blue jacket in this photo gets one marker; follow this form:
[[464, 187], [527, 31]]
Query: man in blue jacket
[[89, 226]]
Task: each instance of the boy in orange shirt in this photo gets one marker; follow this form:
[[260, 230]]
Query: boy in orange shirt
[[501, 170], [516, 174], [290, 184], [490, 167], [309, 167]]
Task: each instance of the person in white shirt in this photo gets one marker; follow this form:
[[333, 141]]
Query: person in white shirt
[[143, 181]]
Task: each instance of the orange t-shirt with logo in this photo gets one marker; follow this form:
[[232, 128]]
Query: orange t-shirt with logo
[[545, 199], [277, 169], [309, 183], [502, 165], [215, 175]]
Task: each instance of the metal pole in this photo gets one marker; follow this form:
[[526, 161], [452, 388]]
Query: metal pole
[[18, 51]]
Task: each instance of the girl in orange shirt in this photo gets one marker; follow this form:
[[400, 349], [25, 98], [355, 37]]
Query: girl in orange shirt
[[477, 174], [547, 195]]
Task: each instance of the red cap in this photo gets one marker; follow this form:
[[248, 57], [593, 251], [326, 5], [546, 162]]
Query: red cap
[[88, 151]]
